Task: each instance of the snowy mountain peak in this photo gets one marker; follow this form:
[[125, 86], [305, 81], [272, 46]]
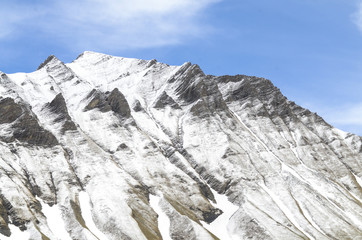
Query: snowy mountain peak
[[108, 147], [50, 60]]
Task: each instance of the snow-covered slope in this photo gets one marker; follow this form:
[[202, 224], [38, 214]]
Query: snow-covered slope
[[115, 148]]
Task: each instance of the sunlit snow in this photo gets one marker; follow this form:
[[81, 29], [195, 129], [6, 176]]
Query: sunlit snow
[[55, 220], [87, 216], [219, 226], [16, 234], [163, 220]]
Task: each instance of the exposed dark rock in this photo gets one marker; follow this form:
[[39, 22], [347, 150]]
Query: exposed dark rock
[[80, 55], [50, 58], [122, 146], [205, 190], [24, 124], [4, 229], [59, 107], [151, 63], [213, 182], [185, 72], [190, 91], [275, 104], [98, 101], [211, 215], [4, 220], [35, 205], [190, 88], [3, 77], [9, 110], [165, 100], [10, 213], [31, 184], [119, 103], [137, 107], [249, 87], [210, 99], [68, 125], [200, 109], [28, 130], [105, 102], [53, 189]]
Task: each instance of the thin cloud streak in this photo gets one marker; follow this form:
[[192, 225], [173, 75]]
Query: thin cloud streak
[[108, 24], [357, 16], [12, 16], [346, 117]]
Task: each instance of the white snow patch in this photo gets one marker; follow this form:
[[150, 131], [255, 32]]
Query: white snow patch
[[358, 179], [163, 220], [219, 226], [16, 234], [200, 232], [18, 78], [341, 133], [85, 206], [55, 221]]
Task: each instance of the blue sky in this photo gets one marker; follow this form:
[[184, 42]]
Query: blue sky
[[310, 49]]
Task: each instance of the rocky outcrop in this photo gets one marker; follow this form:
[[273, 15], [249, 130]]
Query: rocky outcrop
[[137, 107], [59, 107], [10, 111], [98, 100], [118, 103], [4, 219], [252, 89], [113, 101], [24, 124], [190, 86], [165, 100], [49, 59]]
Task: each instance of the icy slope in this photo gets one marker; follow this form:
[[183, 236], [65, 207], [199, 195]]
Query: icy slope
[[115, 147]]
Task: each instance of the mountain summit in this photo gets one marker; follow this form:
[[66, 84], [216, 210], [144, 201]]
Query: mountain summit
[[116, 148]]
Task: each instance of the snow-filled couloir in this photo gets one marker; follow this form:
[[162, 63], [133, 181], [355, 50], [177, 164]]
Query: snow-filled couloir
[[116, 148]]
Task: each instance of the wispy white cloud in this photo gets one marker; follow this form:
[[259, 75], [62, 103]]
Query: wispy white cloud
[[357, 16], [116, 24], [12, 16], [347, 117], [351, 114]]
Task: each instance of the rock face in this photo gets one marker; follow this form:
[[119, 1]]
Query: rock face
[[165, 100], [23, 124], [114, 101], [59, 107], [115, 148]]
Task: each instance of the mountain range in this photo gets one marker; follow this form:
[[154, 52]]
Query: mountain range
[[117, 148]]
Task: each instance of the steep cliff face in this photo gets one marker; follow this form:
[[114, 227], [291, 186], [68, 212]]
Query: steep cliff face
[[115, 148]]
